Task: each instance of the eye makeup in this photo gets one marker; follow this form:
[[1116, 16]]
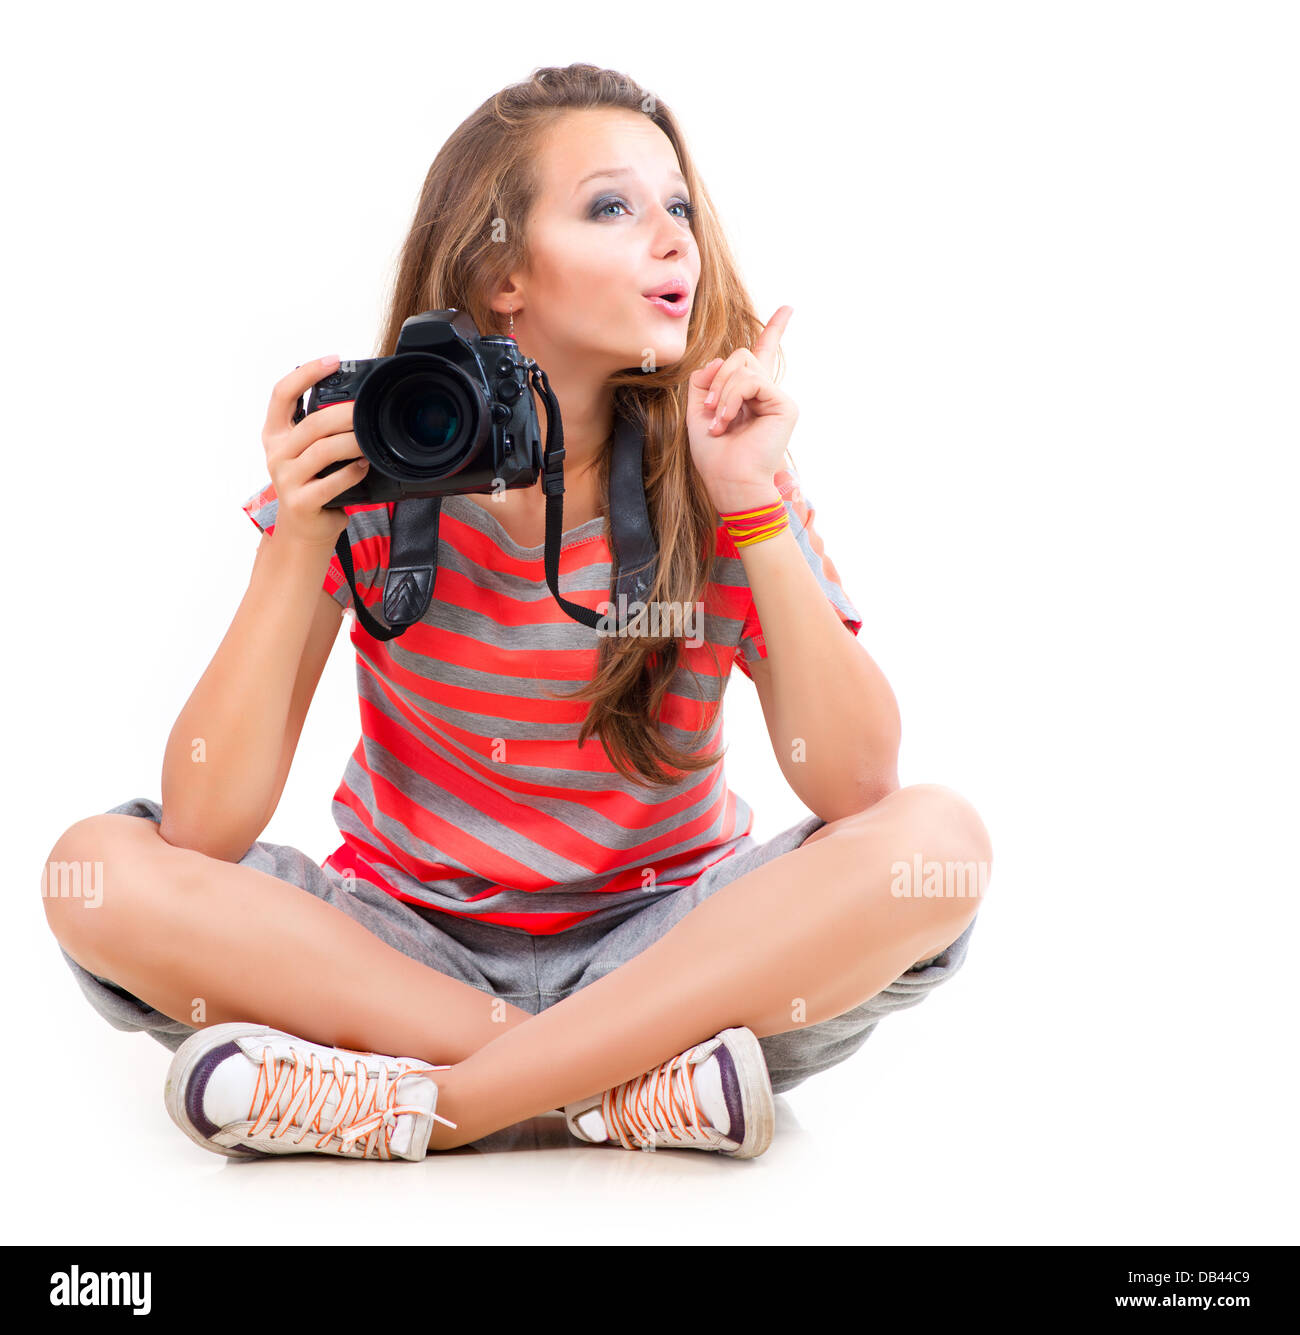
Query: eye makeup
[[606, 200]]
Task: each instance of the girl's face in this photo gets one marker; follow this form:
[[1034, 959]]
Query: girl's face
[[611, 223]]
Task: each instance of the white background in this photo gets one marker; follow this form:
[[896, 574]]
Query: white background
[[1043, 265]]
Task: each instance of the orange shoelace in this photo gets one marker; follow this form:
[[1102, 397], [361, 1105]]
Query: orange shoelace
[[365, 1106], [662, 1100]]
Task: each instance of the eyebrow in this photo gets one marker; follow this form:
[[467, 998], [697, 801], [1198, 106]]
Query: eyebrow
[[618, 171]]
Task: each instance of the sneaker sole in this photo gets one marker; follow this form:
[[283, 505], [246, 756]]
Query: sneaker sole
[[755, 1091]]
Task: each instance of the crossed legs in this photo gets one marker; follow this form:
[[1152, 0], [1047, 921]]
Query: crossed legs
[[798, 940]]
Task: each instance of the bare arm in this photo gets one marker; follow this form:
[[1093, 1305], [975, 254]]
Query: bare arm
[[831, 715], [230, 750], [320, 641]]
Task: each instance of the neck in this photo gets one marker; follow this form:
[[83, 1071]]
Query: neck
[[587, 411]]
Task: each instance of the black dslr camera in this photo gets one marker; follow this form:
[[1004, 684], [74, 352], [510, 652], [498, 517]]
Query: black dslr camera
[[450, 412]]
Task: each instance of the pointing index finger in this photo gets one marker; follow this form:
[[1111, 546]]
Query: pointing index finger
[[770, 338]]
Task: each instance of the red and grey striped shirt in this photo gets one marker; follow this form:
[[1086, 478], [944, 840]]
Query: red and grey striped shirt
[[467, 792]]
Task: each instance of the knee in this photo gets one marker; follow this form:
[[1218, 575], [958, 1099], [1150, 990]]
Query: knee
[[938, 856], [950, 862], [951, 827], [85, 886], [928, 818]]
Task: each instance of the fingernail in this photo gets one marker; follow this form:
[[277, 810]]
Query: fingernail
[[330, 360]]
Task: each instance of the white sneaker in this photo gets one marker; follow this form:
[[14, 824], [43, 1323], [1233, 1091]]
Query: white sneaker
[[714, 1096], [242, 1089]]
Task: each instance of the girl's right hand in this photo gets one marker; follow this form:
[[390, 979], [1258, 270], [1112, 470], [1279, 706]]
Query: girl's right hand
[[295, 454]]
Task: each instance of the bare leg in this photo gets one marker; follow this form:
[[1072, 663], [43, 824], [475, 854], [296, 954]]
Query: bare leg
[[175, 927], [817, 926]]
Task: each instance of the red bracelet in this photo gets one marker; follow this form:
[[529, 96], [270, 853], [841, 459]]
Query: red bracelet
[[749, 526]]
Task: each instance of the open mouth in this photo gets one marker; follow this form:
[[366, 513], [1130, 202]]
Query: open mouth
[[671, 303]]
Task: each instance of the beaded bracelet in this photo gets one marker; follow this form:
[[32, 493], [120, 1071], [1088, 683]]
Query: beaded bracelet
[[745, 527]]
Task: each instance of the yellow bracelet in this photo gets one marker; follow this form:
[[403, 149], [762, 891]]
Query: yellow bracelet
[[763, 534], [746, 527]]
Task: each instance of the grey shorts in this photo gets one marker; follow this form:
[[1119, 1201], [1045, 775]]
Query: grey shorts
[[533, 972]]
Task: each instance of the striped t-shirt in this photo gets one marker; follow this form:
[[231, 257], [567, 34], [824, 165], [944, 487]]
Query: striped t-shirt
[[467, 792]]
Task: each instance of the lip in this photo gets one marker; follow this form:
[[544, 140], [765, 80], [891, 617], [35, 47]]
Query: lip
[[676, 286], [677, 309]]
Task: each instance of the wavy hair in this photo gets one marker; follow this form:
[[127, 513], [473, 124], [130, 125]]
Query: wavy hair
[[486, 174]]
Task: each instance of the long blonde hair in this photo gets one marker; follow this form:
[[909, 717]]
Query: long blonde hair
[[453, 259]]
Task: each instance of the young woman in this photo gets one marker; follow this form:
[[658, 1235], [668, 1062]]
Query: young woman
[[546, 895]]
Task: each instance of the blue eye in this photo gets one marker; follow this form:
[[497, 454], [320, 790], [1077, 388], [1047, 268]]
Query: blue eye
[[598, 210]]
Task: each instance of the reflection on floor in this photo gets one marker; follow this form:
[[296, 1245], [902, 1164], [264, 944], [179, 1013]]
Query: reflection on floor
[[549, 1132]]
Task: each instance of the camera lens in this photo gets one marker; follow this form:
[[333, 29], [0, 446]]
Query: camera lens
[[420, 418], [424, 417], [422, 421]]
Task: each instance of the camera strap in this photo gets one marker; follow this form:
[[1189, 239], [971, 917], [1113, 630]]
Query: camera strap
[[412, 566], [413, 525], [635, 552]]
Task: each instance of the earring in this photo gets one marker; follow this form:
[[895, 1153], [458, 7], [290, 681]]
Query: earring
[[512, 322]]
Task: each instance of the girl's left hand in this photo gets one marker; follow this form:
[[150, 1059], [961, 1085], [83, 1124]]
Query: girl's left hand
[[739, 423]]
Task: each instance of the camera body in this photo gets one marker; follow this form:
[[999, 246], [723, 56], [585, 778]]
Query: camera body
[[450, 412]]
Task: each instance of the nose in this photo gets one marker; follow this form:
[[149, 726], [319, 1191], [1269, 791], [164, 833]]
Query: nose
[[672, 248], [673, 237]]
